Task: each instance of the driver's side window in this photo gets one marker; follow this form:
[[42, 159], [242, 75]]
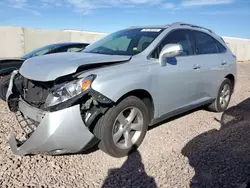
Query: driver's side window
[[182, 37], [119, 44]]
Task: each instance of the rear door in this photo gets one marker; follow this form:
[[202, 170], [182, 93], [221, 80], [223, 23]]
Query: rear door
[[210, 55]]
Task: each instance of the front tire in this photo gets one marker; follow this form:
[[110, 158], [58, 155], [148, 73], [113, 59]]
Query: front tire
[[123, 127], [4, 84], [223, 97]]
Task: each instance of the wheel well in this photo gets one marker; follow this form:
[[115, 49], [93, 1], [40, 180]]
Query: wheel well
[[145, 97], [232, 79]]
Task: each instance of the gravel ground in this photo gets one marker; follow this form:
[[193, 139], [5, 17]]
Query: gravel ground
[[199, 149]]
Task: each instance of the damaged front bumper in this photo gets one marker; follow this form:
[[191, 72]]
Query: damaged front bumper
[[57, 132], [51, 133]]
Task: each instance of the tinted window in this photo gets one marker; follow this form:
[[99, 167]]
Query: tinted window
[[41, 51], [58, 50], [74, 49], [205, 44], [181, 37], [68, 48]]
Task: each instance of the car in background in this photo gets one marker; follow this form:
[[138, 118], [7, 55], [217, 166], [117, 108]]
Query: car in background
[[7, 65]]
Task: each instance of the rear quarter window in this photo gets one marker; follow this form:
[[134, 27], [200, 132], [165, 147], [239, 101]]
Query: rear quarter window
[[221, 48]]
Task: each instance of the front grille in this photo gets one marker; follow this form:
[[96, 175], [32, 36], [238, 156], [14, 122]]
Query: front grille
[[27, 125], [33, 92]]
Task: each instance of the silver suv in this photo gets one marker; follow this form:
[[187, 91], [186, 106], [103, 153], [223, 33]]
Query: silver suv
[[118, 86]]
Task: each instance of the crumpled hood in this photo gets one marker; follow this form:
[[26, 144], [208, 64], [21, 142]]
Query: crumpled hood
[[49, 67]]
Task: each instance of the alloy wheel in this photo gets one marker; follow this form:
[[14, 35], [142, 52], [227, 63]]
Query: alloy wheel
[[127, 128], [225, 96]]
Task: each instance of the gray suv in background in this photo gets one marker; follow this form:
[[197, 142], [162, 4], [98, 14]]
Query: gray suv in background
[[118, 86]]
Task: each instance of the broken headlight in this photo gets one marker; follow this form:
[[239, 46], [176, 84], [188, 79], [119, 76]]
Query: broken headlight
[[68, 91]]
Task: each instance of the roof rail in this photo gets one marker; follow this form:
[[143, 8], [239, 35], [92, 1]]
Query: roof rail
[[191, 25], [196, 26], [176, 23]]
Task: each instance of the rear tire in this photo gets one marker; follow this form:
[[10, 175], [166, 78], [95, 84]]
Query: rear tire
[[223, 97], [127, 120], [4, 84]]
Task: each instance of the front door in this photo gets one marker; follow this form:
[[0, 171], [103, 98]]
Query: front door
[[178, 82]]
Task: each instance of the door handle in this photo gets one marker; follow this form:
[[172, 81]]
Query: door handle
[[196, 66], [223, 62]]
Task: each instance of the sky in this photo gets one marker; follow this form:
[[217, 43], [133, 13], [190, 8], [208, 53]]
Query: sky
[[225, 17]]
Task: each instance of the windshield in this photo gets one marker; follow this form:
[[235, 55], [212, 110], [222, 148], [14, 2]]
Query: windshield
[[125, 42], [41, 51]]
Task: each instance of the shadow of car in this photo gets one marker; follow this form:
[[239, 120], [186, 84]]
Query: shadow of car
[[131, 174], [221, 158]]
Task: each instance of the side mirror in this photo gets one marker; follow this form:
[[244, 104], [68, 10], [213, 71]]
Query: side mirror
[[169, 50]]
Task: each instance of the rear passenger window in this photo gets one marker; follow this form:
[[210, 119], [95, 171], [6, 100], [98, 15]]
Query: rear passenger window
[[206, 44]]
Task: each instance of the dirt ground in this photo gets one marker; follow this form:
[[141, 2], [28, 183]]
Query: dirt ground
[[198, 149]]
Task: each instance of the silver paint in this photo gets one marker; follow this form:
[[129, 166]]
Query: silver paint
[[49, 67]]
